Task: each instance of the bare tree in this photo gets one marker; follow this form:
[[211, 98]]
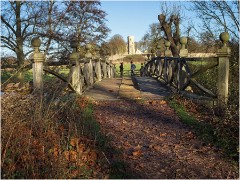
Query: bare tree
[[57, 23], [151, 39], [218, 16], [172, 35], [18, 19], [18, 26]]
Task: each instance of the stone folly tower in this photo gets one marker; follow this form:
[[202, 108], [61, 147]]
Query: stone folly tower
[[131, 45]]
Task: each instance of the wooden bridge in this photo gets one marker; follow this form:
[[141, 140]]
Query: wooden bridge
[[96, 77], [128, 88]]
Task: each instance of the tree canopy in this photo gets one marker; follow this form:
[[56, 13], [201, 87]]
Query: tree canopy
[[117, 45], [56, 22]]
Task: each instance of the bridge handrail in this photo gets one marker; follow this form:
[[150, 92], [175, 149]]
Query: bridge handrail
[[84, 72], [175, 71]]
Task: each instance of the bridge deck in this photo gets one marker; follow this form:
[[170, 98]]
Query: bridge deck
[[125, 88]]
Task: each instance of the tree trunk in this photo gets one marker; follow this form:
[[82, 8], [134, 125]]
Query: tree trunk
[[168, 33], [19, 48], [167, 28]]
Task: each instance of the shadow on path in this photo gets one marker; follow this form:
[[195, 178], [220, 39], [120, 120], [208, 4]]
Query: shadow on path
[[151, 139], [155, 144]]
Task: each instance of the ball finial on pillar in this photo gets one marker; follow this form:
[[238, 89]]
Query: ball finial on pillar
[[224, 37], [88, 48], [183, 41], [36, 43]]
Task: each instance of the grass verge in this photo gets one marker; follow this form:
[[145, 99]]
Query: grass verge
[[207, 132]]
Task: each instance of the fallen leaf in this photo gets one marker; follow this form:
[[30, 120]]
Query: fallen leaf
[[136, 153], [163, 134], [80, 148], [162, 102], [73, 155], [162, 170], [74, 141]]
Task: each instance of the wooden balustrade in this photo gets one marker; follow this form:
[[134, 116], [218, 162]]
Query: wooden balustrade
[[83, 73], [175, 71]]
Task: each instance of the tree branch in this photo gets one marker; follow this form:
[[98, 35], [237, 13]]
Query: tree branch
[[8, 25]]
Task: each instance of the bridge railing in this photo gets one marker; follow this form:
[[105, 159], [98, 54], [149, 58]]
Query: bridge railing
[[176, 71], [84, 72]]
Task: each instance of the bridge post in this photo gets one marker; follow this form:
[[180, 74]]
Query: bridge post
[[183, 50], [181, 70], [88, 67], [111, 69], [167, 63], [98, 66], [223, 70], [152, 65], [91, 75], [168, 52], [114, 70], [76, 76], [104, 68], [98, 69], [38, 59], [108, 69]]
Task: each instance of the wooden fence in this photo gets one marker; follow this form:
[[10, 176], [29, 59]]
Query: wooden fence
[[83, 73], [175, 71]]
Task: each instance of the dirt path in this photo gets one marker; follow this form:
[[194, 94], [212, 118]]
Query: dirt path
[[155, 144]]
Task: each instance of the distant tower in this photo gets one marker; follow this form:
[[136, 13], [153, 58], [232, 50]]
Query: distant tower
[[131, 45]]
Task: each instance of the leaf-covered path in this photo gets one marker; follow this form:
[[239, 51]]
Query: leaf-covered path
[[155, 144], [151, 139]]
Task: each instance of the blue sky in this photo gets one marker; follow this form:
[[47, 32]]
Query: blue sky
[[134, 17]]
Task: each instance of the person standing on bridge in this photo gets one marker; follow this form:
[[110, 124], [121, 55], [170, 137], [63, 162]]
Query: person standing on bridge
[[121, 69], [142, 70], [133, 67]]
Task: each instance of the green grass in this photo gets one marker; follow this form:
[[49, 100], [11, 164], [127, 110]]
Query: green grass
[[127, 69], [204, 131], [91, 128], [64, 71], [28, 75]]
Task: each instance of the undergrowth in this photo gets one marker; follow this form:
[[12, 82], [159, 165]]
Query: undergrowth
[[219, 131], [54, 136], [51, 136]]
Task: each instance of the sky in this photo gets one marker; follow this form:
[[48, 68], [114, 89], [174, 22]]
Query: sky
[[134, 17]]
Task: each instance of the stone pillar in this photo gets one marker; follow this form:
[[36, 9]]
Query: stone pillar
[[158, 53], [98, 69], [38, 59], [182, 74], [223, 70], [76, 76], [104, 69], [91, 75], [183, 50], [88, 66], [168, 52], [112, 66], [98, 66], [108, 69], [86, 72], [114, 70], [148, 57], [152, 54]]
